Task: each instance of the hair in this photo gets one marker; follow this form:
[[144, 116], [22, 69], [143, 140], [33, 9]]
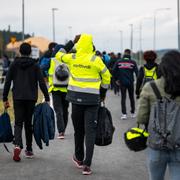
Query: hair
[[149, 56], [25, 49], [127, 51], [170, 70], [51, 46]]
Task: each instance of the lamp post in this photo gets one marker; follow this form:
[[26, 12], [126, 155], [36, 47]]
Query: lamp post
[[53, 22], [70, 32], [22, 20], [121, 40], [154, 36], [131, 37], [178, 17]]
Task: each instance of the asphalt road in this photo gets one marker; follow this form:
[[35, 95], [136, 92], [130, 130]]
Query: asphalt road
[[114, 162]]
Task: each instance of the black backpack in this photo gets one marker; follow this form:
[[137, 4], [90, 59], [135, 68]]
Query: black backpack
[[6, 134], [105, 128]]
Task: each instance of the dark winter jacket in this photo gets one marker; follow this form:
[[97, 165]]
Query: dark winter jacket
[[43, 124], [149, 65], [124, 70], [25, 75]]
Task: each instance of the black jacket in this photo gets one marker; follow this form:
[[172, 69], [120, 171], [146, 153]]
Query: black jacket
[[149, 65], [25, 74], [124, 70]]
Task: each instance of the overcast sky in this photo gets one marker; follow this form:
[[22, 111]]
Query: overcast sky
[[104, 19]]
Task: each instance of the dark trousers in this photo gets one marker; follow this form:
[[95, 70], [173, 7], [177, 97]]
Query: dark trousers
[[61, 109], [84, 120], [23, 110], [123, 98]]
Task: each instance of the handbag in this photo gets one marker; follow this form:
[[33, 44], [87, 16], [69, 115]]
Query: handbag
[[135, 138]]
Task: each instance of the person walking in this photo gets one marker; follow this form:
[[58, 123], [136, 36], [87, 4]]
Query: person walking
[[87, 87], [59, 91], [25, 75], [123, 73], [147, 72], [169, 86]]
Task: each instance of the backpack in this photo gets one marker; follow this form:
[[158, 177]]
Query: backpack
[[44, 64], [164, 123], [149, 74], [105, 128], [61, 74], [5, 129]]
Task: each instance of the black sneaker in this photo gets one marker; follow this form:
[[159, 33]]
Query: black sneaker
[[79, 164], [86, 170]]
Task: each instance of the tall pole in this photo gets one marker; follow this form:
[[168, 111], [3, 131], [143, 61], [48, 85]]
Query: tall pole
[[121, 40], [178, 17], [154, 36], [22, 20], [140, 41], [53, 23], [131, 38]]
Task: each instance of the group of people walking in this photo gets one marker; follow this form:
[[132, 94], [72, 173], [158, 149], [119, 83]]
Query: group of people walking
[[85, 88]]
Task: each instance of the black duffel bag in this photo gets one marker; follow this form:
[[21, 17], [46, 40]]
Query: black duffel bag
[[105, 128]]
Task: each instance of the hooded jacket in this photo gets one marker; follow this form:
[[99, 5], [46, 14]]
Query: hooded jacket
[[88, 73], [25, 74]]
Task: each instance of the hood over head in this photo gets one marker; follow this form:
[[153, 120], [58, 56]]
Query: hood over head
[[85, 44]]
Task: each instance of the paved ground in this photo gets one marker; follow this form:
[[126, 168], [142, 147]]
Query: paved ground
[[114, 162]]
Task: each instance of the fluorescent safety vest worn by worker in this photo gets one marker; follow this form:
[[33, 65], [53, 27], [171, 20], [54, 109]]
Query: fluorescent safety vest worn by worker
[[87, 72], [149, 74], [54, 83]]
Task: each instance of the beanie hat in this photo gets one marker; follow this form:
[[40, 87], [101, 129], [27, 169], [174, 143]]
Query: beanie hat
[[25, 49]]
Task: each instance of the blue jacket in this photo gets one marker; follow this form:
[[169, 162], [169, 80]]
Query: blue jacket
[[43, 124]]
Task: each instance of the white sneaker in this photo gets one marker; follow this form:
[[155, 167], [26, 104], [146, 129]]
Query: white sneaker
[[133, 115], [124, 116]]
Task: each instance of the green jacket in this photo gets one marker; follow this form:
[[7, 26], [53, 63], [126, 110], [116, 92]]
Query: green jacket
[[147, 98]]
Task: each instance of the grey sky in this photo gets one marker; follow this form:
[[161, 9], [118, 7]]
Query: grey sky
[[101, 18]]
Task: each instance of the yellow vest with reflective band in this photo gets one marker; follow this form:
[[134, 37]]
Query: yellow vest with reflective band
[[87, 72], [51, 72], [131, 135], [150, 73]]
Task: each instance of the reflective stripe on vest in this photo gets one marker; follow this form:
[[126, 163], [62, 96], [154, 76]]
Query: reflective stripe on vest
[[93, 58], [104, 70], [86, 79], [73, 56], [105, 86], [83, 90]]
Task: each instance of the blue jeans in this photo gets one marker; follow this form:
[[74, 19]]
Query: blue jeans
[[158, 161]]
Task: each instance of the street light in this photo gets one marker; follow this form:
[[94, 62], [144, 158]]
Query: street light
[[22, 20], [131, 37], [154, 36], [70, 32], [121, 40], [178, 14], [53, 22]]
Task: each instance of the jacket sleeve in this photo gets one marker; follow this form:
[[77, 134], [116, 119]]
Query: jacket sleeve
[[42, 84], [139, 80], [135, 69], [7, 85], [104, 73], [143, 111]]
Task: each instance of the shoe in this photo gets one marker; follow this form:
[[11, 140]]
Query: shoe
[[17, 152], [133, 115], [124, 116], [79, 164], [29, 154], [86, 170], [61, 136]]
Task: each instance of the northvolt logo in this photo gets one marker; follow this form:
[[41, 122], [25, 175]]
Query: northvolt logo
[[82, 66]]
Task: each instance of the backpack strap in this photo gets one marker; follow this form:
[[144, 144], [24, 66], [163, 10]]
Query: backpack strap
[[156, 90]]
